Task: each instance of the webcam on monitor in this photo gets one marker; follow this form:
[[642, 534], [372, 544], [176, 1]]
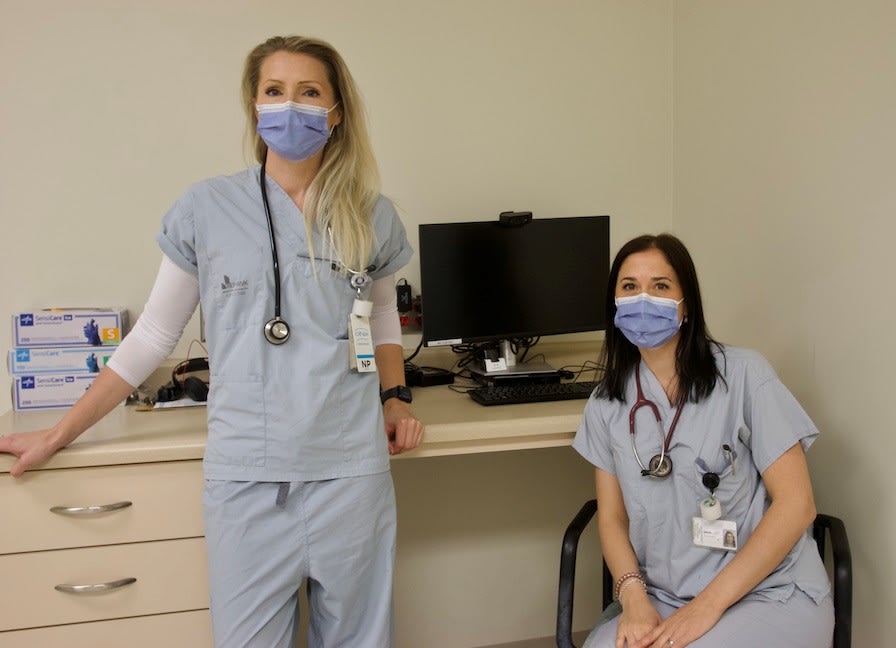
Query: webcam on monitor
[[514, 219]]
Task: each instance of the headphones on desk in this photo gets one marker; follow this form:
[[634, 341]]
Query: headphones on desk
[[183, 384]]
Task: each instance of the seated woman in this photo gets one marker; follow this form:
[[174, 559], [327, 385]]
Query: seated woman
[[703, 489]]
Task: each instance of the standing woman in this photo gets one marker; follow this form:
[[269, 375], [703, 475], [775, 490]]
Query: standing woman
[[698, 446], [297, 461]]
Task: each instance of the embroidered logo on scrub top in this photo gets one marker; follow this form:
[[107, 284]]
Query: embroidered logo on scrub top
[[229, 287]]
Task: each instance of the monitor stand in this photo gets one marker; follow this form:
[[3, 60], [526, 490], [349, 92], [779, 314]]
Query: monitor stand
[[506, 369]]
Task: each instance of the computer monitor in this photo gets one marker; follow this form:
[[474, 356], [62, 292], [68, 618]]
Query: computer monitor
[[495, 281]]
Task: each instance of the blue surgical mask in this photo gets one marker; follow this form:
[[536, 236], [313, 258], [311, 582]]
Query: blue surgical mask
[[647, 321], [292, 130]]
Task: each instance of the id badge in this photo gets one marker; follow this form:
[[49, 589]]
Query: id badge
[[714, 534], [361, 357]]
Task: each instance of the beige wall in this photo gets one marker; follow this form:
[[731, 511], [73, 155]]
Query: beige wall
[[785, 152]]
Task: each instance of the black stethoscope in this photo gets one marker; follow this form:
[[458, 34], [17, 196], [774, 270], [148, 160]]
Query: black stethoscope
[[276, 330], [661, 464]]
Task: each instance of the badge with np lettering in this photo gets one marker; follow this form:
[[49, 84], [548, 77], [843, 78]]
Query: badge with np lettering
[[360, 340]]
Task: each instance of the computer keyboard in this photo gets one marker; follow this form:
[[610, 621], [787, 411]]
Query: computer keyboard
[[513, 393]]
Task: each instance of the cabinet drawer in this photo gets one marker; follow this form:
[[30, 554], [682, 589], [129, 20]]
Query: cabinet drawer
[[166, 502], [191, 629], [171, 577]]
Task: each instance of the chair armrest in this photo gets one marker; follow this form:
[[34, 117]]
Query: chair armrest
[[842, 562], [568, 572]]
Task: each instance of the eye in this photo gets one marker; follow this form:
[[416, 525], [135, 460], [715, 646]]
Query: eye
[[272, 92], [661, 286], [628, 285], [310, 92]]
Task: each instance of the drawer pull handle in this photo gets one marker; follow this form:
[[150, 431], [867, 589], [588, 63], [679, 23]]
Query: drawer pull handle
[[89, 510], [96, 588]]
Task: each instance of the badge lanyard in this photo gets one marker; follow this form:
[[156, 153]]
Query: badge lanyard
[[361, 352], [710, 530]]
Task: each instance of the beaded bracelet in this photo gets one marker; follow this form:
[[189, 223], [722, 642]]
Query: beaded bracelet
[[631, 581], [626, 577]]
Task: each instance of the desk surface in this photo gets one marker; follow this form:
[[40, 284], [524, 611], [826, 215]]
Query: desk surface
[[454, 425]]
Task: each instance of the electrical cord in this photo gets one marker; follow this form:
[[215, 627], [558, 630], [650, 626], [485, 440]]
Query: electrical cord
[[416, 351], [589, 366]]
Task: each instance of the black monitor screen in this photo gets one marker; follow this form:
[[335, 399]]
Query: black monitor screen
[[486, 281]]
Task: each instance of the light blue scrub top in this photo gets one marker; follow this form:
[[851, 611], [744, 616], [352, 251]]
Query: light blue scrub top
[[759, 418], [293, 412]]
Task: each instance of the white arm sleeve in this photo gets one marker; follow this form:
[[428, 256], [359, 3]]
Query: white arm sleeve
[[384, 325], [155, 334]]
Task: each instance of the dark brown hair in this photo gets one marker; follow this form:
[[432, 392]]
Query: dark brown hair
[[695, 362]]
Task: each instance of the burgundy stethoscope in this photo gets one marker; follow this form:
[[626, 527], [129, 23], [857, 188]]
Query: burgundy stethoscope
[[661, 464]]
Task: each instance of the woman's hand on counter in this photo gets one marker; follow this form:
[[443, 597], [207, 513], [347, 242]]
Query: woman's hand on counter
[[34, 448], [31, 448], [403, 429]]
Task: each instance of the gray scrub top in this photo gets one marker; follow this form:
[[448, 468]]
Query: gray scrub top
[[293, 412], [759, 419]]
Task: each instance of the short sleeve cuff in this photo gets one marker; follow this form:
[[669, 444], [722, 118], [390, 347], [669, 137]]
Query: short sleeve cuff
[[779, 423], [170, 250], [395, 250]]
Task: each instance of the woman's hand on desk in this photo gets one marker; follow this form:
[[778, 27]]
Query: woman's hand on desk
[[403, 429], [34, 448], [31, 448]]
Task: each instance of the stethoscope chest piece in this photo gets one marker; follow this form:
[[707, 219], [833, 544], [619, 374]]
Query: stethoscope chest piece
[[659, 466], [276, 331]]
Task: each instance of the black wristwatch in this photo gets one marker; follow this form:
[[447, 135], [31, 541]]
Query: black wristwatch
[[400, 392]]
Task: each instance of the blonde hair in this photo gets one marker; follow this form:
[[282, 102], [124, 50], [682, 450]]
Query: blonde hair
[[343, 193]]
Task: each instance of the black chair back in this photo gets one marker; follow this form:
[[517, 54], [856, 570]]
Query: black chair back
[[824, 526]]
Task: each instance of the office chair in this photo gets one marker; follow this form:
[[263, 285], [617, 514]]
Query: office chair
[[824, 526]]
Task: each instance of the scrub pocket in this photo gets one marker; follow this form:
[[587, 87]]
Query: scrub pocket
[[737, 482], [326, 293]]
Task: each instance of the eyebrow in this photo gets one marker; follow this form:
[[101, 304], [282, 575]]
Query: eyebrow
[[298, 83], [659, 278]]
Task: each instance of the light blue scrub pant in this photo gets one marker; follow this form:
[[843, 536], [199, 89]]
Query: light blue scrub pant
[[796, 623], [263, 538]]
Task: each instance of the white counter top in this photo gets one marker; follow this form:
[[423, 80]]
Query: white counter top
[[454, 425]]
